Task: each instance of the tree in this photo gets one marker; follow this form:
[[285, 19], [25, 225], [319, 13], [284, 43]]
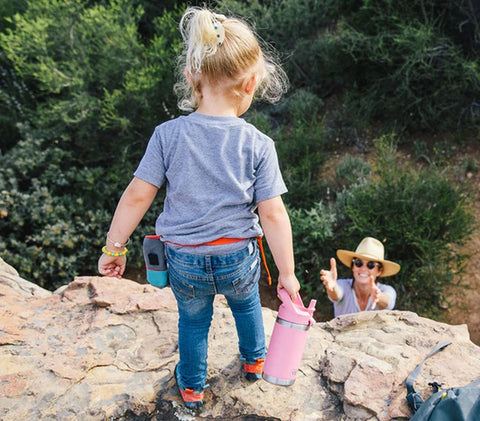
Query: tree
[[97, 91]]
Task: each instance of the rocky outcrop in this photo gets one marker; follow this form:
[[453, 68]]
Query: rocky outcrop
[[105, 349]]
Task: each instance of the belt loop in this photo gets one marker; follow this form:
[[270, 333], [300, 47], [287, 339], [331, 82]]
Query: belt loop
[[208, 264], [262, 253]]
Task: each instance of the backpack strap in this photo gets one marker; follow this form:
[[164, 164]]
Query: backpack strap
[[414, 399]]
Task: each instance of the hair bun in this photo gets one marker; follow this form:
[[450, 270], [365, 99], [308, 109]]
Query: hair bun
[[202, 32]]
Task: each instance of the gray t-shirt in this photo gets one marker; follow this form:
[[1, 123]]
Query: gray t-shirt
[[216, 169], [349, 304]]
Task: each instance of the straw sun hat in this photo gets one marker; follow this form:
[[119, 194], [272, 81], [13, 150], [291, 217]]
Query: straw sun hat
[[369, 249]]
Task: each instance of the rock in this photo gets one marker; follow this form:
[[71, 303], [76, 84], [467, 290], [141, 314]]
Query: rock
[[105, 349]]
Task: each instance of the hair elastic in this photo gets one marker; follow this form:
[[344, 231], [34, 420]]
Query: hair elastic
[[220, 30]]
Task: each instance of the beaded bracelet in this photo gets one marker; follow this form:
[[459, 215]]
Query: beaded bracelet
[[114, 253]]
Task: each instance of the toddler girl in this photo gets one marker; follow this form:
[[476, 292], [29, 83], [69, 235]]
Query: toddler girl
[[218, 171]]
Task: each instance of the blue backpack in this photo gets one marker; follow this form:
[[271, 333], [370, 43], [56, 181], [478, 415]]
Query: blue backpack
[[453, 404]]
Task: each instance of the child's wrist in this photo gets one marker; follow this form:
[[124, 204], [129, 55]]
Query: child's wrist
[[114, 253], [286, 274], [116, 244]]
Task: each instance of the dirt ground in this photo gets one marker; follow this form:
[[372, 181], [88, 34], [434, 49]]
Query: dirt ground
[[464, 301]]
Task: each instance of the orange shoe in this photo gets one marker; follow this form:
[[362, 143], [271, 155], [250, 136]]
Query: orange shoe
[[253, 370], [193, 399]]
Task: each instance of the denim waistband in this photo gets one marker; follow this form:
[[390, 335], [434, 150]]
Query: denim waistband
[[204, 250], [226, 259]]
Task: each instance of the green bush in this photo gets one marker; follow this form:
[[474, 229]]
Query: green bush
[[53, 219], [407, 64], [41, 234], [301, 143], [92, 94], [419, 215], [91, 76], [311, 229], [351, 170]]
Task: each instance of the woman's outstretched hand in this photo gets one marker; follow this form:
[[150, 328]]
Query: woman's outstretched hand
[[329, 277]]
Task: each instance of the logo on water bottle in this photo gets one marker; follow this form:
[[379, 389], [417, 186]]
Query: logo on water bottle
[[293, 372]]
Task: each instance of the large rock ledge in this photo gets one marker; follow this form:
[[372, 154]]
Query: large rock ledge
[[105, 349]]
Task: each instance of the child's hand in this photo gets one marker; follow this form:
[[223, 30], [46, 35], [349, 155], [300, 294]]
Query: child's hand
[[329, 277], [290, 283], [112, 266]]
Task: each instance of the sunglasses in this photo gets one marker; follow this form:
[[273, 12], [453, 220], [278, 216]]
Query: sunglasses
[[370, 265]]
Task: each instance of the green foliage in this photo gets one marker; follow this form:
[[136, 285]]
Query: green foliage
[[42, 235], [8, 8], [90, 74], [423, 79], [53, 218], [418, 215], [312, 229], [148, 87], [13, 91], [351, 170], [300, 142], [89, 94], [14, 94], [408, 64], [83, 84], [410, 67]]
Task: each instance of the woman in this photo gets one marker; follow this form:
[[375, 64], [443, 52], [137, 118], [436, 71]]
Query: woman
[[362, 292]]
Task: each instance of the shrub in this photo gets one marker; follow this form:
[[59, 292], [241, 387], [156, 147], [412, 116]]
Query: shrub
[[407, 64], [90, 74], [92, 94], [351, 170], [311, 229], [419, 215], [300, 143], [53, 219]]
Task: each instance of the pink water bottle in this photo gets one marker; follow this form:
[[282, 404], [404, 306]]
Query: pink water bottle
[[288, 340]]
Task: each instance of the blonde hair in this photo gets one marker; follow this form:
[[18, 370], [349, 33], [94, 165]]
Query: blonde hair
[[223, 50]]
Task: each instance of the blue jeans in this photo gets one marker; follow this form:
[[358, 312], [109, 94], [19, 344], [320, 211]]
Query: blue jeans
[[195, 279]]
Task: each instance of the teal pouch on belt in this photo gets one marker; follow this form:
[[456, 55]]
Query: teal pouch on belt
[[155, 261]]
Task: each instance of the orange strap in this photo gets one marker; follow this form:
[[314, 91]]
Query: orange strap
[[222, 241], [189, 395], [256, 367], [264, 260]]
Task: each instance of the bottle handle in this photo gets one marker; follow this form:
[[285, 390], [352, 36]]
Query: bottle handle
[[297, 304], [286, 299]]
